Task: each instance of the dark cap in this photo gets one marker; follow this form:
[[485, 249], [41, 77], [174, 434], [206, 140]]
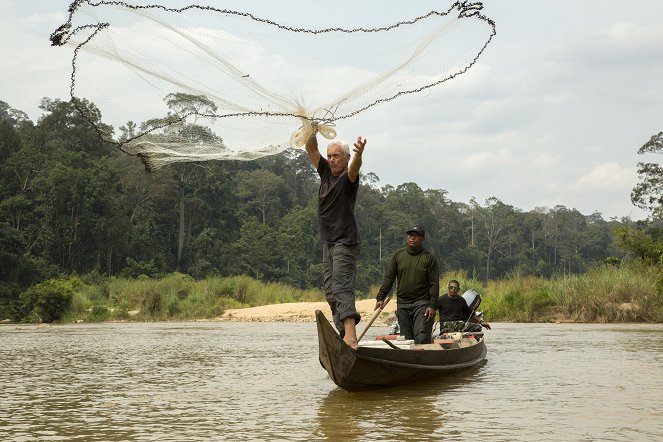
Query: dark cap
[[417, 229]]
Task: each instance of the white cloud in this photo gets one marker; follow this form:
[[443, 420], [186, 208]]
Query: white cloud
[[630, 42], [606, 177]]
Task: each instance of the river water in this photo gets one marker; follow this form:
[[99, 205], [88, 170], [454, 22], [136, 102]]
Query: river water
[[263, 381]]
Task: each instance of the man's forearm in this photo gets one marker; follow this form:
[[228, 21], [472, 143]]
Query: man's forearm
[[353, 168], [384, 289], [312, 150]]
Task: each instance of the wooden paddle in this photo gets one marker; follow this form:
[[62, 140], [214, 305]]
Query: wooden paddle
[[375, 315]]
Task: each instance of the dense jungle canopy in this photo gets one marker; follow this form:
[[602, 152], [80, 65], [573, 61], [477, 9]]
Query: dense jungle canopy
[[71, 204]]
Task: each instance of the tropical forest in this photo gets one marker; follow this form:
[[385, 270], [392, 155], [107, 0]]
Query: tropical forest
[[86, 234]]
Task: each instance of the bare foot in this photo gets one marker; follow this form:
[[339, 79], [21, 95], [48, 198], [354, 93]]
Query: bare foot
[[352, 343]]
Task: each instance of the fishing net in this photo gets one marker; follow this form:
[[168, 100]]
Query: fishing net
[[208, 83]]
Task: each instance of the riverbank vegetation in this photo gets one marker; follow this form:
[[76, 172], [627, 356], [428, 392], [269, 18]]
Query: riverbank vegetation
[[605, 294], [85, 232], [173, 297]]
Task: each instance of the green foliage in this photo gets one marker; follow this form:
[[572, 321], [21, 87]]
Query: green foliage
[[135, 269], [645, 243], [521, 299], [98, 313], [151, 305], [79, 305], [612, 260], [648, 193], [605, 293], [121, 312], [73, 205], [627, 293], [9, 306], [49, 300], [178, 296], [251, 292]]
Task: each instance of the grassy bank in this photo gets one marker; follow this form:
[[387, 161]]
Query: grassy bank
[[175, 297], [604, 294]]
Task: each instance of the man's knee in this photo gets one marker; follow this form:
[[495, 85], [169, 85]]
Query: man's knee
[[473, 327], [423, 338]]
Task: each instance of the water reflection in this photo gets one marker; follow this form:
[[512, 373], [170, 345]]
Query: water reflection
[[250, 381], [407, 412]]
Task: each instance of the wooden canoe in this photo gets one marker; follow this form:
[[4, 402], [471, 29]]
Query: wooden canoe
[[370, 367]]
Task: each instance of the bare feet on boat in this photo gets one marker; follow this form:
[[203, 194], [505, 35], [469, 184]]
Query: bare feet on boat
[[350, 335]]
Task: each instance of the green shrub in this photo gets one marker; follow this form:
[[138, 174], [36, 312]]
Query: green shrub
[[151, 305], [121, 312], [135, 269], [49, 300], [171, 305], [78, 307], [9, 305], [606, 293], [98, 313]]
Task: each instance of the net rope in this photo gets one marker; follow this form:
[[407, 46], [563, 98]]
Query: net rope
[[212, 84]]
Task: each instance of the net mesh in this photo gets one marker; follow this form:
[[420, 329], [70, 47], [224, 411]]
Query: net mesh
[[213, 84]]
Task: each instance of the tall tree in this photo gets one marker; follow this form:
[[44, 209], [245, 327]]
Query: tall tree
[[298, 245], [648, 193], [188, 109], [260, 190], [496, 225], [570, 226]]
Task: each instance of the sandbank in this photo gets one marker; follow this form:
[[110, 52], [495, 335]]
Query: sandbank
[[304, 312]]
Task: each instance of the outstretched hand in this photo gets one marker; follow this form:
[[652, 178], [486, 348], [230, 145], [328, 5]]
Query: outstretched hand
[[359, 145], [355, 162]]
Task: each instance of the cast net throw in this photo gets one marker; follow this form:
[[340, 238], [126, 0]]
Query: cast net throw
[[203, 83]]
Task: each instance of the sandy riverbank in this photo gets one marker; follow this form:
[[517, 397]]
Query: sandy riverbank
[[304, 312]]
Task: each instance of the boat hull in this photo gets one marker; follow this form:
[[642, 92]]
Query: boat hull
[[370, 368]]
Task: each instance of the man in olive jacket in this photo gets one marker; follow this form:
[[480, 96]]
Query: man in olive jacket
[[418, 287]]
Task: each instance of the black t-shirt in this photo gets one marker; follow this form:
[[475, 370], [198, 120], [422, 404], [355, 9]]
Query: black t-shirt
[[453, 309], [336, 203]]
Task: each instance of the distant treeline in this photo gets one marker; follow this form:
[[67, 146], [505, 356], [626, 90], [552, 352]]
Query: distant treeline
[[73, 205]]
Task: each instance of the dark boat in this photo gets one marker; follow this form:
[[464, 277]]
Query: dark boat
[[370, 367]]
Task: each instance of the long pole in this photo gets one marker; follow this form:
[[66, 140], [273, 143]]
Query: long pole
[[380, 257], [375, 315]]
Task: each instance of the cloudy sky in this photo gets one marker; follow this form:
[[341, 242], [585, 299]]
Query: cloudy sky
[[553, 113]]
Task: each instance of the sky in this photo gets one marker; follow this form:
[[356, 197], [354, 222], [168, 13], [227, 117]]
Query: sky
[[552, 114]]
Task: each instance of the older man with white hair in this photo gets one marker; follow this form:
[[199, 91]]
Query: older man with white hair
[[339, 183]]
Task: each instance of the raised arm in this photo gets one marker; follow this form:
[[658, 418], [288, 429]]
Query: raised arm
[[355, 161], [312, 149]]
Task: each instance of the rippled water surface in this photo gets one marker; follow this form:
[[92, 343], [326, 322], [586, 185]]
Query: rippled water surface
[[263, 381]]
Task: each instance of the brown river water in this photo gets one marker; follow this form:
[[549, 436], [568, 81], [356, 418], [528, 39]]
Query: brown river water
[[263, 381]]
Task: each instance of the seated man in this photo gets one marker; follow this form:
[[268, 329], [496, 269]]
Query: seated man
[[454, 312]]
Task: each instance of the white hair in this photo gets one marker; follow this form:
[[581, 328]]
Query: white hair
[[345, 148]]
